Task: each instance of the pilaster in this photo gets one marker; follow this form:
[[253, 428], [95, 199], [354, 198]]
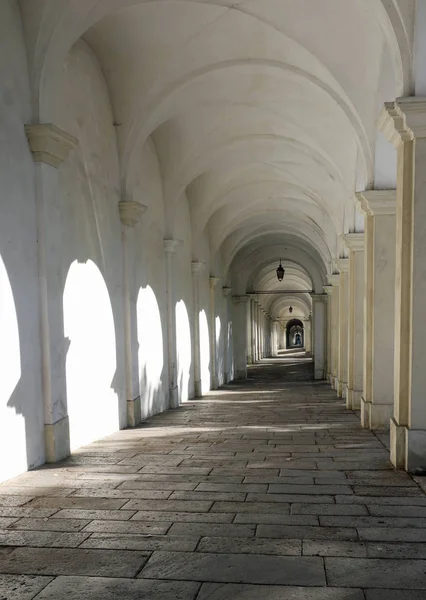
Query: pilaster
[[342, 356], [319, 313], [131, 213], [50, 147], [379, 207], [170, 248], [240, 305], [197, 268], [226, 292], [404, 124], [355, 245], [214, 281]]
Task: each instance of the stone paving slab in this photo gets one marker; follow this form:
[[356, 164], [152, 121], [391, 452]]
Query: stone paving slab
[[21, 587], [215, 591], [376, 573], [235, 568], [97, 588], [68, 561]]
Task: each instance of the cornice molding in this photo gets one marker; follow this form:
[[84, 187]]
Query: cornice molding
[[171, 246], [328, 289], [49, 144], [240, 299], [226, 291], [377, 202], [334, 279], [354, 241], [131, 212], [343, 264], [403, 120], [214, 281], [197, 267]]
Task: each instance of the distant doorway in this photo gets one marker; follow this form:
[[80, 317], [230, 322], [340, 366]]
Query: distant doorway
[[295, 334]]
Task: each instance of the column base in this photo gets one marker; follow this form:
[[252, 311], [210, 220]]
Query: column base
[[241, 374], [353, 399], [340, 387], [375, 417], [226, 378], [408, 447], [57, 440], [174, 397], [329, 378], [134, 413], [319, 374], [198, 392], [215, 382]]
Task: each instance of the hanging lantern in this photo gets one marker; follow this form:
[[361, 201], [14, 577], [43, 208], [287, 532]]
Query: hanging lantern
[[290, 310], [280, 272]]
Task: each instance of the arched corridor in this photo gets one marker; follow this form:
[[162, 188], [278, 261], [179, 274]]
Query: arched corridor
[[212, 248], [268, 482]]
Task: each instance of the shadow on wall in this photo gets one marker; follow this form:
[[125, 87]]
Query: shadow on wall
[[12, 420], [184, 350], [204, 352], [91, 358], [151, 353]]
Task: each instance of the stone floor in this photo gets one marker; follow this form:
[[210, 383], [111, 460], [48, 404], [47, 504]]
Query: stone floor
[[268, 490]]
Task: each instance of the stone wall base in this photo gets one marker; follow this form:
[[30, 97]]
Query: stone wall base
[[375, 417], [353, 399], [57, 440], [134, 414]]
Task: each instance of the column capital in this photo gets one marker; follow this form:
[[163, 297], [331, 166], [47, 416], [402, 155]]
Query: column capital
[[241, 299], [343, 264], [403, 120], [334, 279], [316, 298], [171, 246], [197, 267], [354, 241], [49, 144], [214, 280], [226, 291], [131, 212], [377, 202], [328, 289]]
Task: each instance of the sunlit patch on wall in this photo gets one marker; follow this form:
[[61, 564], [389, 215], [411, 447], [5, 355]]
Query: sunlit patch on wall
[[204, 352], [151, 351], [184, 350], [91, 357], [12, 424]]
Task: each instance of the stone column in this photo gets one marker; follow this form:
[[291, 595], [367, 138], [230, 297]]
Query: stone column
[[404, 124], [319, 338], [379, 207], [240, 335], [253, 329], [227, 291], [308, 336], [328, 289], [170, 248], [355, 244], [130, 214], [334, 327], [213, 342], [249, 332], [50, 147], [197, 268], [342, 356]]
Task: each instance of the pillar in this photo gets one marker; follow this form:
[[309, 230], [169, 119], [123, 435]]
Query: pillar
[[197, 268], [334, 328], [308, 336], [170, 249], [319, 334], [130, 215], [355, 245], [328, 289], [342, 353], [404, 124], [249, 323], [240, 335], [213, 340], [227, 291], [379, 207], [50, 147]]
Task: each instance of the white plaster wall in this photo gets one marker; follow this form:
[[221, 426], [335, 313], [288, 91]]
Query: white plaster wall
[[90, 232], [21, 408]]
